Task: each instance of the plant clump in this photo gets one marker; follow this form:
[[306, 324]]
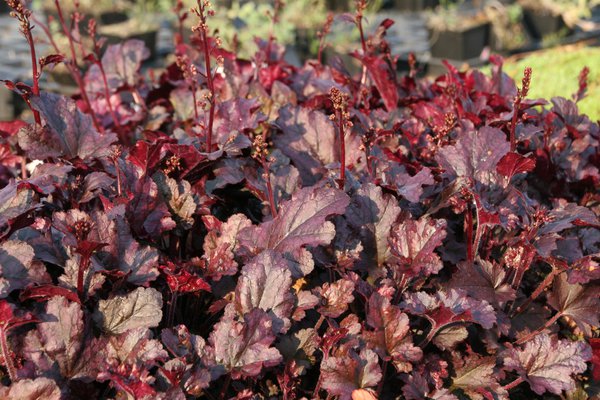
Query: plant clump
[[250, 229]]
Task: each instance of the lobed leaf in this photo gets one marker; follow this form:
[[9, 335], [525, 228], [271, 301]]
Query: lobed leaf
[[70, 133], [243, 347], [346, 370], [548, 363], [302, 221], [265, 283], [372, 214], [140, 308]]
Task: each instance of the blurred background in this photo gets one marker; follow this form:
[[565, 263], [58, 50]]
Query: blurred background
[[557, 38]]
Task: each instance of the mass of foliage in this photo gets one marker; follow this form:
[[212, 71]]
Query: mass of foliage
[[249, 229]]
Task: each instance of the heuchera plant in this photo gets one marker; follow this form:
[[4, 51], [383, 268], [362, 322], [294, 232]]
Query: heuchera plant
[[249, 229]]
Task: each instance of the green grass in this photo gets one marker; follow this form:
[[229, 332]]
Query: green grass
[[556, 71]]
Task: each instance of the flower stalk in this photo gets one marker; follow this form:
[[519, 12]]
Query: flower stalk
[[361, 5], [72, 64], [190, 75], [583, 84], [181, 17], [23, 14], [97, 60], [341, 118], [203, 10], [322, 34], [260, 153], [521, 94], [274, 20]]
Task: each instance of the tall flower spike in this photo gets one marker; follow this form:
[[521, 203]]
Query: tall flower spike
[[179, 11], [261, 154], [583, 84], [526, 82], [202, 11], [322, 34], [190, 72], [97, 59], [22, 14], [342, 120], [521, 94]]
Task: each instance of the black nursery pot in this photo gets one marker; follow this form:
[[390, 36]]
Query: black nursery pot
[[540, 23], [414, 5], [113, 17], [460, 45], [337, 5], [4, 8], [403, 66], [304, 38]]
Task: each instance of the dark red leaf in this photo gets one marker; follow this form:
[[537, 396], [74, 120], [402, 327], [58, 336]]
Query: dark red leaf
[[244, 347], [8, 319], [347, 370], [595, 345], [51, 59], [45, 292], [180, 280], [514, 163], [70, 133], [384, 77], [10, 128], [391, 337], [547, 363]]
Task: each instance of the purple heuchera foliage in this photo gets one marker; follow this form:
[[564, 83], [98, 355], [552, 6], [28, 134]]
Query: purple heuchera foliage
[[136, 262], [548, 363]]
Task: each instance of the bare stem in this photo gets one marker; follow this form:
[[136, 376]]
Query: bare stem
[[196, 113], [270, 193], [513, 123], [363, 43], [24, 167], [83, 266], [315, 394], [513, 384], [35, 74], [539, 330], [430, 335], [107, 96], [23, 15], [361, 5], [118, 172], [98, 62], [469, 234], [203, 28], [73, 66], [171, 312], [322, 36], [67, 33], [341, 117], [325, 356], [342, 144], [319, 322], [274, 20], [545, 283], [178, 9], [260, 154]]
